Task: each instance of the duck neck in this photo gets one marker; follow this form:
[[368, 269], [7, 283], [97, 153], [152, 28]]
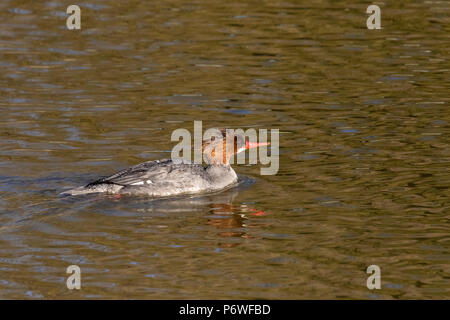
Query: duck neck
[[216, 157], [221, 175]]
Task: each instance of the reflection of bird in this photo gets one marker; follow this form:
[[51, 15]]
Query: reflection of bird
[[228, 219], [168, 178]]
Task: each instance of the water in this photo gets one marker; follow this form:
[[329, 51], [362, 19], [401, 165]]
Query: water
[[364, 148]]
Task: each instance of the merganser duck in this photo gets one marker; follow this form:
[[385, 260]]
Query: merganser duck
[[163, 178]]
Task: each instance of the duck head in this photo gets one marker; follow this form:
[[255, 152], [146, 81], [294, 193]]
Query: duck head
[[224, 144]]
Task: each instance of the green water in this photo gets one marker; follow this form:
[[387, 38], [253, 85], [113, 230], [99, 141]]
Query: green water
[[364, 148]]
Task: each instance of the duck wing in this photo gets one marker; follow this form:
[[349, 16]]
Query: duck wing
[[145, 172]]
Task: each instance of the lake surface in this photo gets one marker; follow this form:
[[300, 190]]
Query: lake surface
[[364, 148]]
